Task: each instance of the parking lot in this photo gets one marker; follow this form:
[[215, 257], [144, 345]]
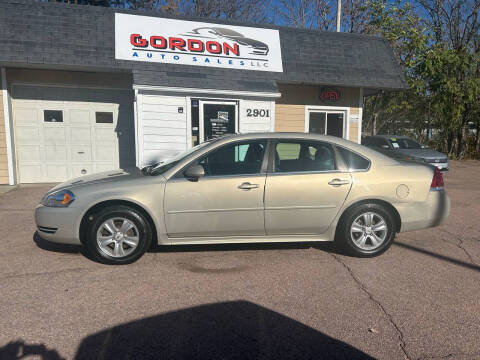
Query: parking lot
[[420, 300]]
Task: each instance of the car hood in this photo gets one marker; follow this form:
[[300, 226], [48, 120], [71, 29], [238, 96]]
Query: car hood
[[102, 177], [422, 153]]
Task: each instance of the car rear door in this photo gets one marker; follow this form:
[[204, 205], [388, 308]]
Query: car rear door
[[304, 188], [227, 201]]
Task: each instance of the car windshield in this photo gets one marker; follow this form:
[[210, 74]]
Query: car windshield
[[227, 32], [162, 166], [404, 143]]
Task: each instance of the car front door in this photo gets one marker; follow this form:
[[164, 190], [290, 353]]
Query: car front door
[[227, 201], [304, 189]]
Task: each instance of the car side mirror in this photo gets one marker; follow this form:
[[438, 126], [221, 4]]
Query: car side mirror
[[195, 172]]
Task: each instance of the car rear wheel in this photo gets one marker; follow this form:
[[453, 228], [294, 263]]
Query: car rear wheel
[[368, 230], [118, 235]]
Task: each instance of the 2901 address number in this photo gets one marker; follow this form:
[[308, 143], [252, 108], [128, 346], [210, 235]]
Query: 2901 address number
[[258, 113]]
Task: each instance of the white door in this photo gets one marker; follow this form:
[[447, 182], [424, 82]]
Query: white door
[[62, 133], [326, 122]]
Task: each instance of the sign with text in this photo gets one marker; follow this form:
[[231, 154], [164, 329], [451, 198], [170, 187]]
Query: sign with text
[[330, 94], [152, 39]]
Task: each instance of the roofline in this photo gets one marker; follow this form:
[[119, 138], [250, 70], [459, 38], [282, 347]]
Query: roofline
[[161, 14], [170, 89]]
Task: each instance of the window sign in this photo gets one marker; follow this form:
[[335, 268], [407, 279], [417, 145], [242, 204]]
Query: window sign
[[330, 95], [153, 39], [220, 124]]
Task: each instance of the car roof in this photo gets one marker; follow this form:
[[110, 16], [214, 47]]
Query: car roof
[[376, 157], [384, 136], [307, 136]]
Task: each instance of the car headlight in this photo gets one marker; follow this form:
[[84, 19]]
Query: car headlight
[[61, 198]]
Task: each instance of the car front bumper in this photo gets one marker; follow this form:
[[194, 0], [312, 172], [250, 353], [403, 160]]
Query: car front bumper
[[421, 215], [60, 225]]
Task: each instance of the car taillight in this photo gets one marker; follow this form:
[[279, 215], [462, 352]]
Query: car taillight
[[437, 181]]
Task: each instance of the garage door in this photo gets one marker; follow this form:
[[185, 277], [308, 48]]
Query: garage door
[[62, 133]]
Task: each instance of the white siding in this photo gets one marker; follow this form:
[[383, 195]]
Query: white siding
[[162, 130], [259, 123]]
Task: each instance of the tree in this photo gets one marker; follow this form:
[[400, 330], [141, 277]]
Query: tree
[[405, 111]]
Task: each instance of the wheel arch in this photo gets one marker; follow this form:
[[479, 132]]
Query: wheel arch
[[386, 204], [103, 204]]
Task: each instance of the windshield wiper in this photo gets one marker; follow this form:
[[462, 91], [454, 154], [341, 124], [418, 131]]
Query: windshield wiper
[[147, 170]]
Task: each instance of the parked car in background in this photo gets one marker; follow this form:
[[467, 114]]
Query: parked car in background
[[266, 187], [405, 148]]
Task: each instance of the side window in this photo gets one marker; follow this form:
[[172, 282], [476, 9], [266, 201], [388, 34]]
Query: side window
[[235, 159], [298, 156], [52, 116], [376, 142], [353, 160], [367, 141]]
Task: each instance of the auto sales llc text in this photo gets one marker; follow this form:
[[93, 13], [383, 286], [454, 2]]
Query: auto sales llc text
[[147, 55]]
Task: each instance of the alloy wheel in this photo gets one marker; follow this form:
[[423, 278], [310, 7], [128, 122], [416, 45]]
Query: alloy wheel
[[118, 237], [369, 231]]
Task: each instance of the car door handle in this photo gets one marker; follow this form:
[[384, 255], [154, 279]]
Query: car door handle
[[338, 182], [247, 186]]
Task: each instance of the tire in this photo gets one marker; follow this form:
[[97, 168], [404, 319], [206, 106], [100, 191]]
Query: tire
[[354, 230], [118, 235]]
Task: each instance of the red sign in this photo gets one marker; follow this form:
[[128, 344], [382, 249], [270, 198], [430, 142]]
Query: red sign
[[329, 94]]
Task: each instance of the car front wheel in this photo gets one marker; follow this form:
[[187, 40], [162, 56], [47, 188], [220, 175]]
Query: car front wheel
[[118, 235], [368, 230]]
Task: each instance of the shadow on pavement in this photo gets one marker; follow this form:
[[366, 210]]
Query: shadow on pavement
[[326, 246], [61, 248], [20, 350], [229, 330], [438, 256], [232, 247], [55, 247]]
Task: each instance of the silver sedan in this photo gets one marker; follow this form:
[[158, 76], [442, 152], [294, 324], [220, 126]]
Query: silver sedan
[[269, 187]]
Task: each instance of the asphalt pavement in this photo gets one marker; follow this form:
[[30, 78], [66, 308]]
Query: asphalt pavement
[[419, 300]]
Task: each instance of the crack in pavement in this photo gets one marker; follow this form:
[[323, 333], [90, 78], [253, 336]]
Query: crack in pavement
[[376, 302], [459, 244], [448, 356]]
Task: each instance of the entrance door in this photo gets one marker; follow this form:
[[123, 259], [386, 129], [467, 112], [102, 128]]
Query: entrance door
[[217, 118], [326, 122]]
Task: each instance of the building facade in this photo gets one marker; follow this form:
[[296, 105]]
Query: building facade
[[87, 89]]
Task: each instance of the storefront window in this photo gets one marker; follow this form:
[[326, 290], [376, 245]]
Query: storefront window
[[326, 122]]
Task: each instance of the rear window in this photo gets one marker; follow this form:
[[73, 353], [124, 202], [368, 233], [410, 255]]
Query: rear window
[[353, 160], [404, 143], [303, 156]]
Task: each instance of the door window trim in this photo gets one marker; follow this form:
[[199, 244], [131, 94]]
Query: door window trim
[[339, 163], [263, 166], [328, 109], [356, 153]]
